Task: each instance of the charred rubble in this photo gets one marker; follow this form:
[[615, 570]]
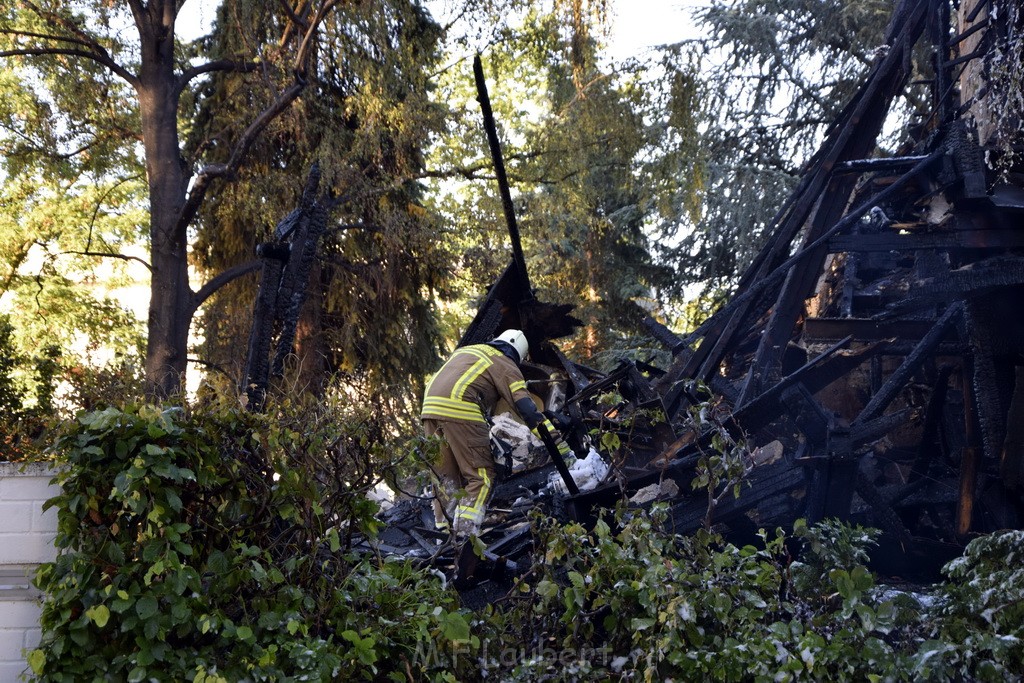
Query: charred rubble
[[872, 356]]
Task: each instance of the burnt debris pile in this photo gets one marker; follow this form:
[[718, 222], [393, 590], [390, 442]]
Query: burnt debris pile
[[870, 365]]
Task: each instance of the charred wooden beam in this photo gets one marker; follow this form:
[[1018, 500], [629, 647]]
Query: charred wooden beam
[[910, 364], [834, 362], [875, 429], [663, 335], [284, 284], [799, 285], [867, 329], [875, 165], [731, 312], [1011, 460], [884, 514], [499, 171], [851, 137]]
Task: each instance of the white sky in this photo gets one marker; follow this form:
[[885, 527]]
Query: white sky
[[641, 24], [636, 24]]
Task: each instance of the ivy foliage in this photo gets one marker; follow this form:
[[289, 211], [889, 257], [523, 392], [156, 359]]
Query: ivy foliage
[[627, 600], [216, 547], [204, 548]]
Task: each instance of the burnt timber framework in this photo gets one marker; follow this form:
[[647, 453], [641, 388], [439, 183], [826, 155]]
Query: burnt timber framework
[[877, 337]]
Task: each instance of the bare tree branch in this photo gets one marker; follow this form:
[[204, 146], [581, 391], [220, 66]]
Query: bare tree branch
[[85, 54], [110, 254], [95, 51], [214, 171], [209, 173], [222, 279], [209, 67], [46, 36]]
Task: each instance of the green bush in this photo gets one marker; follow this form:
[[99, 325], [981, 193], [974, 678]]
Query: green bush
[[214, 548], [664, 606], [977, 630], [217, 547]]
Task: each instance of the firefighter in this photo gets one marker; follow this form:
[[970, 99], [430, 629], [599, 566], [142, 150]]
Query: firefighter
[[458, 401]]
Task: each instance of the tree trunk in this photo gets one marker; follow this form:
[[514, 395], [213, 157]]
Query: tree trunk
[[171, 299]]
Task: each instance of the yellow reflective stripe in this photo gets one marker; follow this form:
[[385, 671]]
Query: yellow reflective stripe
[[430, 382], [481, 497], [447, 407], [478, 368], [517, 385], [475, 512], [469, 515]]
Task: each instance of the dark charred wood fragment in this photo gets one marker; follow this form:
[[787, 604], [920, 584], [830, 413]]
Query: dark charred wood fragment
[[876, 165], [295, 281], [867, 329], [931, 441], [893, 241], [257, 365], [799, 285], [985, 377], [518, 260], [834, 362], [1011, 461], [884, 515], [910, 364], [578, 379], [778, 483], [663, 335], [875, 429]]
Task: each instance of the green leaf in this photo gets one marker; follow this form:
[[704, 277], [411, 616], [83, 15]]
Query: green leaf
[[37, 660], [99, 614], [455, 627], [641, 624], [147, 607]]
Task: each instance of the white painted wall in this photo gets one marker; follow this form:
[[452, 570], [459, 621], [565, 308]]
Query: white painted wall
[[26, 540]]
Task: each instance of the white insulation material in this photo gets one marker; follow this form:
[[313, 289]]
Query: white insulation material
[[516, 434], [587, 473]]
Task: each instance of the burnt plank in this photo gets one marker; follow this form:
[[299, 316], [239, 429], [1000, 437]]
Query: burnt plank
[[931, 443], [832, 363], [867, 329], [799, 285], [766, 483], [910, 364], [893, 241]]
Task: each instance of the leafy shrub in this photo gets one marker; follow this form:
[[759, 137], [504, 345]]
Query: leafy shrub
[[215, 548], [656, 606], [977, 628]]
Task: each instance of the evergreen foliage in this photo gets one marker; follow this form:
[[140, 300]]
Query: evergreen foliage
[[775, 73], [364, 118]]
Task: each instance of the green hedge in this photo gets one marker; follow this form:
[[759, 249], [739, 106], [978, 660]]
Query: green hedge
[[214, 547], [209, 548]]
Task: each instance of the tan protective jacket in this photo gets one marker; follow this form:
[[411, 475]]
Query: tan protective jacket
[[470, 384]]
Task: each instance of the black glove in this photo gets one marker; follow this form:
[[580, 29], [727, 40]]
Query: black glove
[[561, 421]]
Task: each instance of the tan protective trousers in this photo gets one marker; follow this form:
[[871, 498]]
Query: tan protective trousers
[[464, 474]]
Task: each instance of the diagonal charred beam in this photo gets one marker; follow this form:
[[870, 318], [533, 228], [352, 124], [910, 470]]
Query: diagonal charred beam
[[499, 170], [815, 375], [800, 282], [910, 364], [851, 137]]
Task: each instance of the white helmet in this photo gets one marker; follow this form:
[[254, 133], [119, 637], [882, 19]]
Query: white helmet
[[517, 340]]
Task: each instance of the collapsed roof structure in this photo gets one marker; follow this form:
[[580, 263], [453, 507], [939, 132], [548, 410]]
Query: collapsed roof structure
[[873, 352]]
